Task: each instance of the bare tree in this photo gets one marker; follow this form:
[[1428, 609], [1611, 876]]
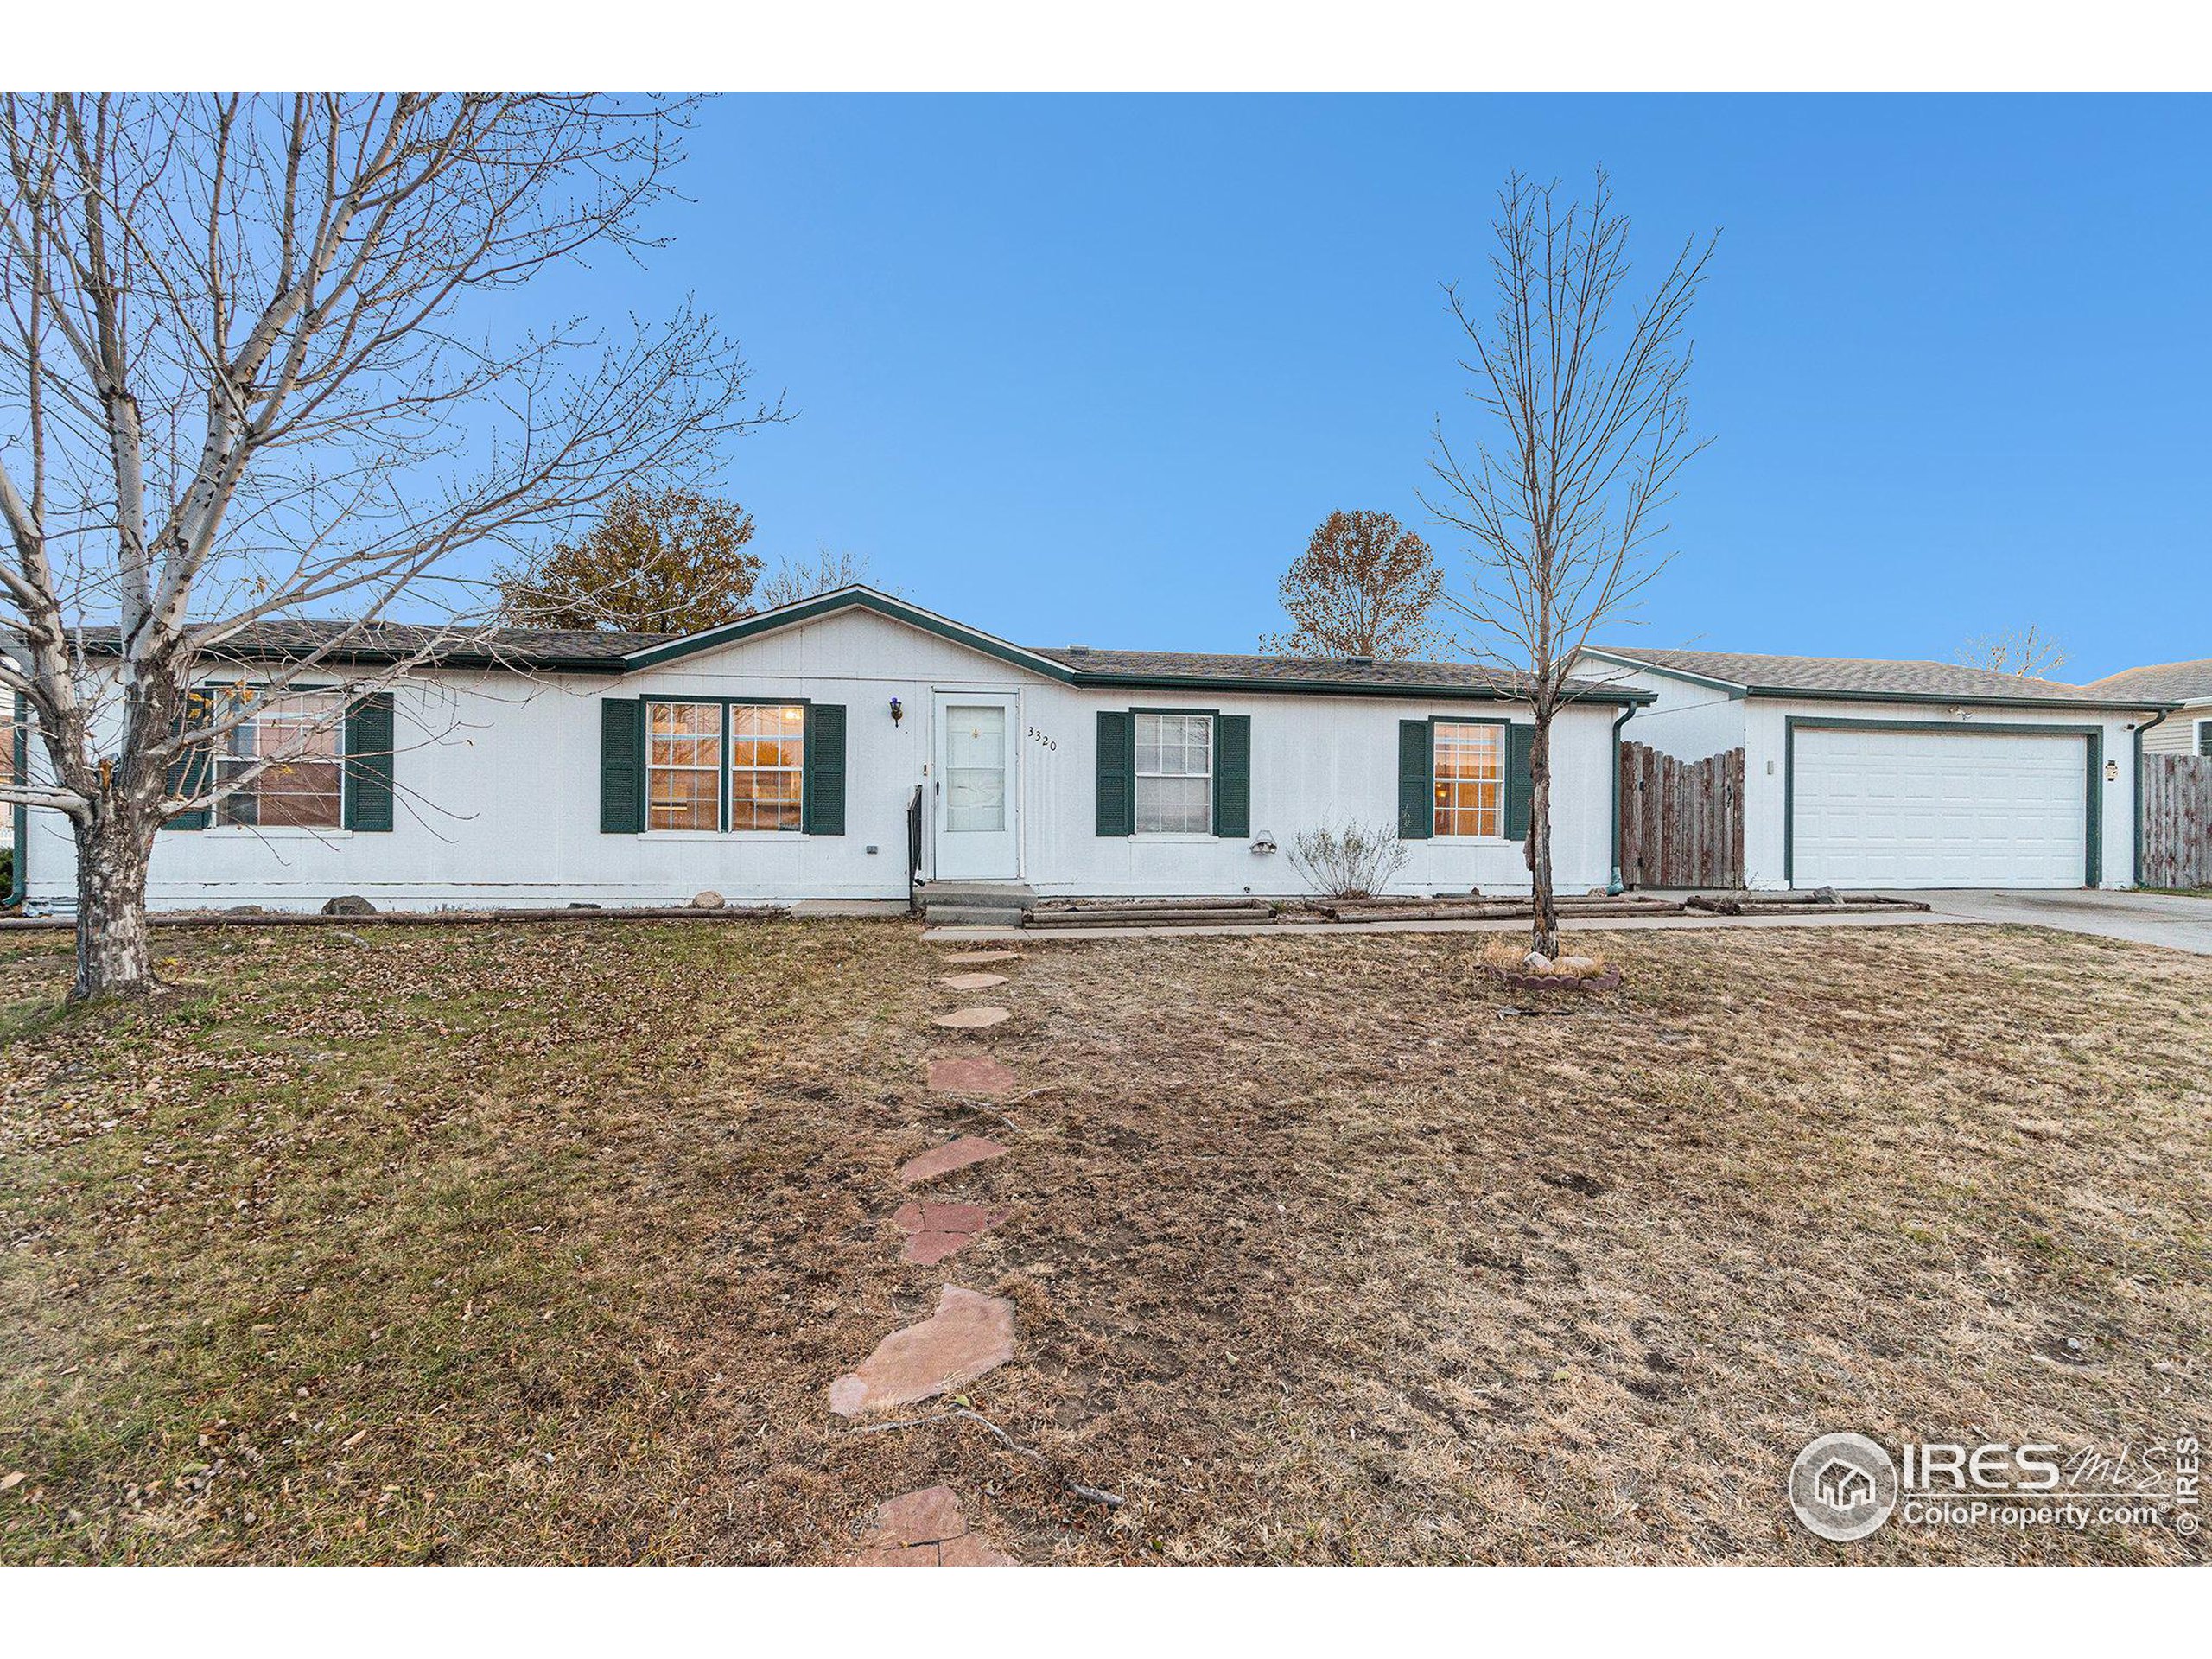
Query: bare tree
[[796, 578], [2026, 652], [1584, 428], [1365, 587], [248, 370]]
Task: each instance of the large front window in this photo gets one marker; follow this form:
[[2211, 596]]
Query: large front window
[[1174, 793], [297, 731], [698, 754], [1470, 779]]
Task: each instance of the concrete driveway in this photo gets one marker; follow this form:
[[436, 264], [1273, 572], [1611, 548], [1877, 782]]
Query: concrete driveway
[[2144, 917]]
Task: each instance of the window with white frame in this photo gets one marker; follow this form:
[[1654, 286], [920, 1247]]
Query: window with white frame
[[683, 765], [1174, 774], [1470, 779], [2204, 737], [297, 733], [768, 749]]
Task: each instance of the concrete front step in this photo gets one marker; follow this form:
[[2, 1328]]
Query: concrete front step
[[1163, 917], [944, 915], [976, 904]]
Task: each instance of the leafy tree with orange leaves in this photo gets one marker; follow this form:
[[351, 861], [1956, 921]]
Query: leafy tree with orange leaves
[[661, 559], [1365, 587]]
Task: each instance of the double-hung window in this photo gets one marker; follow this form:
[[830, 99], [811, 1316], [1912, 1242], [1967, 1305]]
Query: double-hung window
[[2204, 737], [1470, 773], [1174, 774], [767, 748], [683, 765], [700, 755], [297, 732]]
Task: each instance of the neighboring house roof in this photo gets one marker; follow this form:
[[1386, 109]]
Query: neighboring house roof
[[1866, 679], [571, 651], [2176, 682]]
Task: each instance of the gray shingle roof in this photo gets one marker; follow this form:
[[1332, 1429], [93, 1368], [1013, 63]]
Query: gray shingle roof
[[1213, 667], [587, 650], [2175, 682], [1874, 678]]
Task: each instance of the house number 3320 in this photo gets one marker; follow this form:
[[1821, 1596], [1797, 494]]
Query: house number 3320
[[1036, 736]]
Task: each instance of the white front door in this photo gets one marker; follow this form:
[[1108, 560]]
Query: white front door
[[977, 788]]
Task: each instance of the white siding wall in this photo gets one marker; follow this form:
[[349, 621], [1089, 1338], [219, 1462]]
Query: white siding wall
[[1764, 769], [1688, 722], [498, 792]]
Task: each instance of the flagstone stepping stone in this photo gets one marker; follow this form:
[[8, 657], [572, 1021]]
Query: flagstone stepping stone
[[981, 1074], [969, 958], [972, 981], [926, 1528], [972, 1018], [935, 1230], [969, 1335], [953, 1155]]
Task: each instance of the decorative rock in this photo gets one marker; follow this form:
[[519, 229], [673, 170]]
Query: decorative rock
[[993, 1079], [969, 1335], [1580, 967], [935, 1230], [972, 1018], [971, 982], [953, 1155], [925, 1528], [708, 899], [348, 904], [969, 958]]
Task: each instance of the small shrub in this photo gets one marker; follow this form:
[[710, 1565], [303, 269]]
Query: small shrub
[[1353, 861]]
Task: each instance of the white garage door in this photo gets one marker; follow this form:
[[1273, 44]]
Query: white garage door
[[1876, 809]]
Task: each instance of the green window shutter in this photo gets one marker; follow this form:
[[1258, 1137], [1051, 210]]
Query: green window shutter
[[621, 767], [1232, 774], [1416, 781], [1117, 767], [823, 811], [189, 772], [1520, 779], [369, 745]]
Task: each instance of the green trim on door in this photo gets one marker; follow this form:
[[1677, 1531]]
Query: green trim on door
[[2093, 806]]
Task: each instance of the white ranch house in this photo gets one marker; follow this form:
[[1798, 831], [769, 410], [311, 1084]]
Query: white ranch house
[[777, 760]]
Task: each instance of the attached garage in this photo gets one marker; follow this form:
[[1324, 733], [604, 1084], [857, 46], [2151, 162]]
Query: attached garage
[[1879, 804]]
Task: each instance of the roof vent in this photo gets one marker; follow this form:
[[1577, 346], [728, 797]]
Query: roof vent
[[1359, 662], [1078, 650]]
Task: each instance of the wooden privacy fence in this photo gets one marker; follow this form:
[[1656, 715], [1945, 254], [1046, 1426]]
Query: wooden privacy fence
[[2177, 821], [1681, 821]]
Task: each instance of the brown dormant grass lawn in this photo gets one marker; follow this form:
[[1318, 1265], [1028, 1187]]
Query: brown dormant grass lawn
[[542, 1243]]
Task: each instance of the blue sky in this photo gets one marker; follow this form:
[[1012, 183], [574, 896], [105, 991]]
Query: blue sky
[[1090, 369]]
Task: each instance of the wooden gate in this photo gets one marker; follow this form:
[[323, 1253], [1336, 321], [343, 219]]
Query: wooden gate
[[2177, 821], [1681, 821]]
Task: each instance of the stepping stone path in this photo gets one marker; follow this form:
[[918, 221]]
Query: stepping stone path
[[993, 1079], [969, 1335], [972, 1018], [926, 1528], [972, 981], [969, 958], [935, 1230], [953, 1155]]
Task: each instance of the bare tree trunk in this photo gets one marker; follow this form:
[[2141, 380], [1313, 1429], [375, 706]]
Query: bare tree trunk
[[1543, 932], [114, 954]]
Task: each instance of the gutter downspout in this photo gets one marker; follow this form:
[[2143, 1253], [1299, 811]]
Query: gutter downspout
[[1615, 887], [2135, 814]]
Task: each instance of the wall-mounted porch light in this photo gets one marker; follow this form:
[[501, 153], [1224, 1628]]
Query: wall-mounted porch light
[[898, 713]]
